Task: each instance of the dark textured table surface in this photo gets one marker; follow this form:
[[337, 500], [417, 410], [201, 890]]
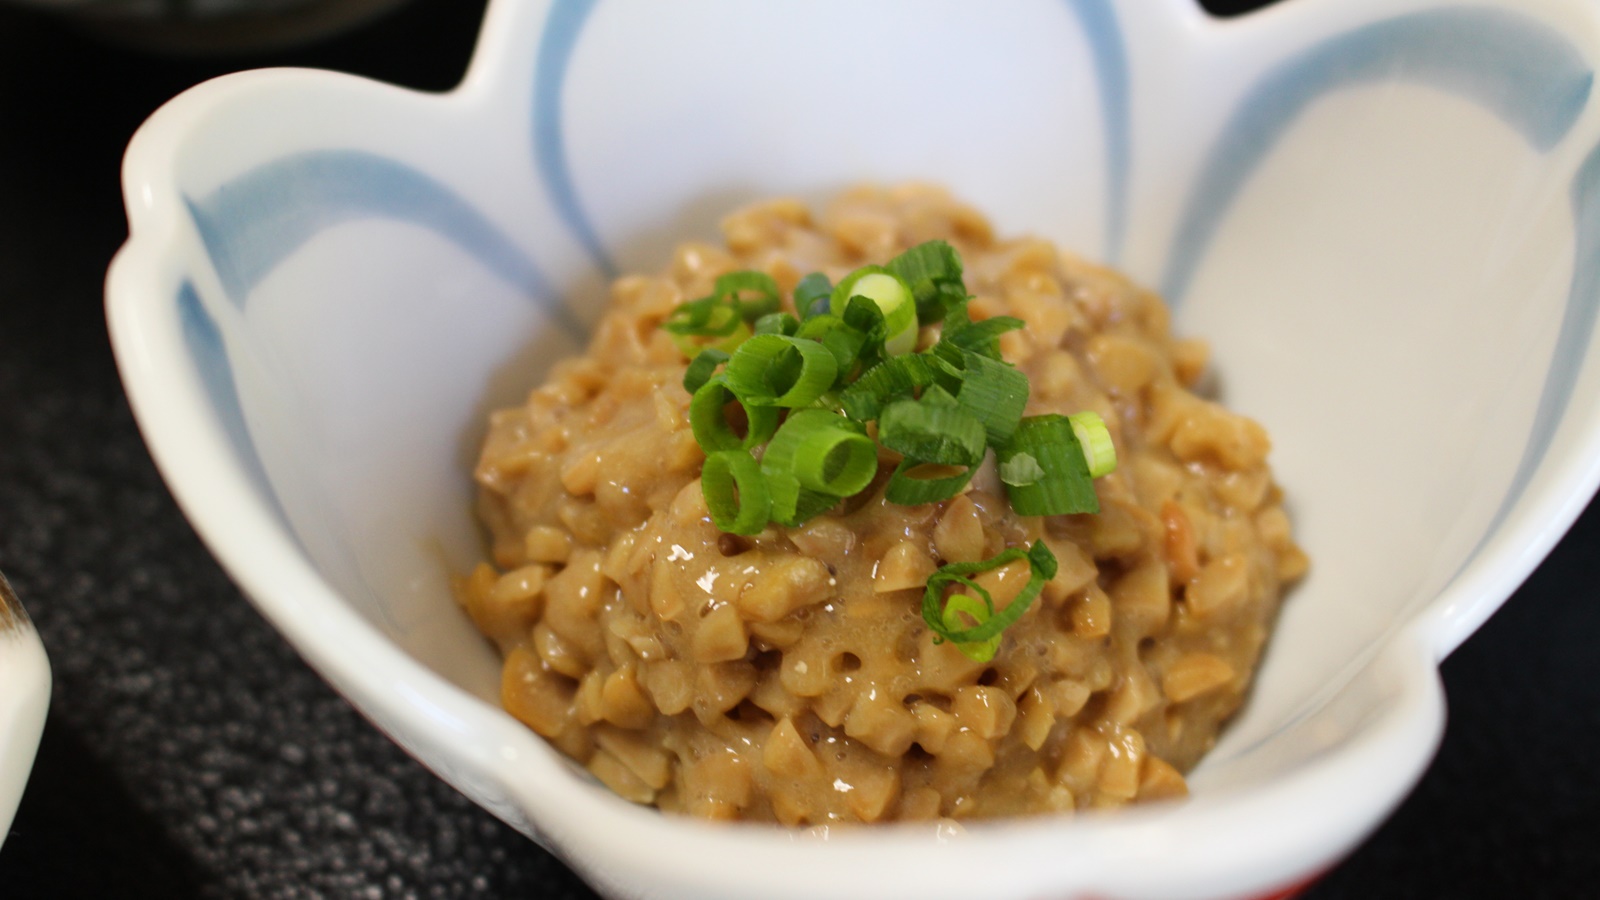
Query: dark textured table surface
[[189, 751]]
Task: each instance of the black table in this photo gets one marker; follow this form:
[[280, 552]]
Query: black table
[[189, 751]]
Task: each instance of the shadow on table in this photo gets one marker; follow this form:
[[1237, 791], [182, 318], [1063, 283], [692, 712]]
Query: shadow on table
[[74, 801]]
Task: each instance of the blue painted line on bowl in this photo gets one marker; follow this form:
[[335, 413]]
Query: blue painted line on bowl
[[1099, 22], [1527, 74], [203, 339], [255, 221], [556, 46]]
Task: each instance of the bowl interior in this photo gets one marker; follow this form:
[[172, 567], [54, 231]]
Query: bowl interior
[[1379, 214]]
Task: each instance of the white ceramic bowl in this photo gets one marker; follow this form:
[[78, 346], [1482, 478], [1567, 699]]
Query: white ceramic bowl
[[24, 701], [1384, 214]]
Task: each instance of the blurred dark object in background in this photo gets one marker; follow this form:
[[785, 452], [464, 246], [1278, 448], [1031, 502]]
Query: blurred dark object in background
[[1233, 7], [216, 26]]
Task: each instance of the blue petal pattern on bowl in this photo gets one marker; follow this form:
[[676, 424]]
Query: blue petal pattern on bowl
[[565, 23], [254, 222], [203, 339], [1527, 74], [555, 53], [1100, 26]]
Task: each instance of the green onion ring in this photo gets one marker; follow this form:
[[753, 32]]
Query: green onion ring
[[733, 287], [835, 461], [735, 492], [702, 368], [776, 370], [957, 605], [1041, 566], [710, 424], [1095, 439], [811, 295], [777, 323], [706, 317], [793, 502], [894, 302]]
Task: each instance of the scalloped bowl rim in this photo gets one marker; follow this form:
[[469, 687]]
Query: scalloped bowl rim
[[439, 721]]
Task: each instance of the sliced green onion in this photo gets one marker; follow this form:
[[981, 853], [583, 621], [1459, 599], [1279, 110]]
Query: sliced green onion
[[893, 299], [866, 316], [845, 358], [981, 337], [690, 345], [805, 447], [843, 341], [1021, 469], [1095, 439], [709, 421], [898, 376], [845, 289], [777, 323], [694, 324], [916, 481], [932, 271], [994, 392], [793, 505], [753, 293], [1064, 487], [1041, 566], [811, 295], [776, 370], [735, 492], [706, 317], [958, 605], [932, 430], [835, 461], [702, 368]]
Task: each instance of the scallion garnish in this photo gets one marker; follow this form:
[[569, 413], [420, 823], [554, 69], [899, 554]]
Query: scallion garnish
[[894, 303], [708, 418], [995, 392], [754, 294], [814, 461], [777, 370], [978, 641], [707, 322], [735, 492], [932, 429], [777, 323], [830, 456], [1021, 469], [811, 295], [958, 605], [932, 271], [917, 481], [702, 367], [806, 382], [1062, 484], [897, 376], [1095, 439], [842, 340], [981, 337]]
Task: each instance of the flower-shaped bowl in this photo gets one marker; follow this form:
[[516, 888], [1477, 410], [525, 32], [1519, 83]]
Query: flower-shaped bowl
[[1383, 214]]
